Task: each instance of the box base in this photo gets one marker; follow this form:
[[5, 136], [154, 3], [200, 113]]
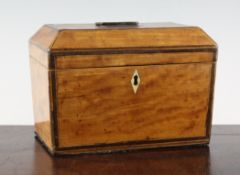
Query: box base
[[124, 147]]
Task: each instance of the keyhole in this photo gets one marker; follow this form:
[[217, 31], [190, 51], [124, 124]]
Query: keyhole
[[135, 80]]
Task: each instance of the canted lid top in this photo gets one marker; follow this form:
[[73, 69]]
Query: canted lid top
[[128, 35]]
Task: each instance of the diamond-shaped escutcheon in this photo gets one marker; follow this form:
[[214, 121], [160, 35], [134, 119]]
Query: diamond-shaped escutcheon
[[135, 81]]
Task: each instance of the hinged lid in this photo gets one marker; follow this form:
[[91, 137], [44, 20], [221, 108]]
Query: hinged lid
[[112, 38]]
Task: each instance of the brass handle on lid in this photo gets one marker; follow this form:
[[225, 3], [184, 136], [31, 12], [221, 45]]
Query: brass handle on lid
[[111, 24]]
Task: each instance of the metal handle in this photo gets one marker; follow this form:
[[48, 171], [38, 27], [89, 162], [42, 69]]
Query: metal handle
[[110, 24]]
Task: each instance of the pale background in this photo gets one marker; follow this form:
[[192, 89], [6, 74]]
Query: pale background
[[20, 19]]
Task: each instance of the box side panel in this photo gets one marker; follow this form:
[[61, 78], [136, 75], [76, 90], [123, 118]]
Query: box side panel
[[41, 102], [41, 56], [98, 106], [40, 45], [211, 98]]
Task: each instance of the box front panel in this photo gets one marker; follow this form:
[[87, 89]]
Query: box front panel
[[132, 104]]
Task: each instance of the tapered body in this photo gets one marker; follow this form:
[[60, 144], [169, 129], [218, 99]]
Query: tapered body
[[104, 88]]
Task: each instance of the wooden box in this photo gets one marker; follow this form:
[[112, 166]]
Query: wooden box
[[121, 86]]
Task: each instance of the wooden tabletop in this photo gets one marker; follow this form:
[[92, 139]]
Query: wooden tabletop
[[21, 154]]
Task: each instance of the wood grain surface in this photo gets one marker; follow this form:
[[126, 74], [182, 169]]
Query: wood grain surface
[[44, 37], [21, 154], [97, 106], [39, 55], [41, 102], [110, 60], [131, 38], [62, 37]]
